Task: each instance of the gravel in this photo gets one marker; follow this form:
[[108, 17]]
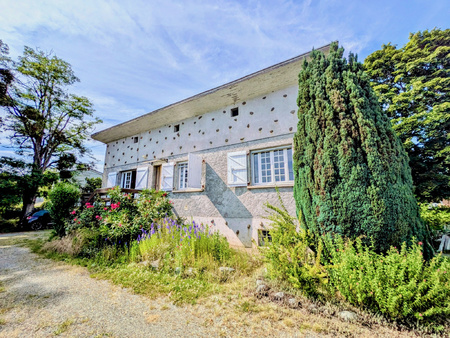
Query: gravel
[[43, 298]]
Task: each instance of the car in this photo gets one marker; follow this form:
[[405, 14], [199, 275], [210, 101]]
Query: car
[[38, 220]]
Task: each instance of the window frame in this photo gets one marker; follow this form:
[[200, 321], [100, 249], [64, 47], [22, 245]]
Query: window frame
[[182, 175], [123, 175], [257, 171]]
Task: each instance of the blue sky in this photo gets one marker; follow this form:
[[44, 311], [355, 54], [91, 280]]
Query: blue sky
[[135, 56]]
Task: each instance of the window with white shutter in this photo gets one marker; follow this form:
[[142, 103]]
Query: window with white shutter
[[167, 176], [112, 177], [272, 166], [237, 168], [141, 178]]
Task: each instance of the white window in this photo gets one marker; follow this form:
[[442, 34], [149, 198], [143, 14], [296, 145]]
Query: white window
[[182, 175], [272, 166], [126, 180], [188, 175]]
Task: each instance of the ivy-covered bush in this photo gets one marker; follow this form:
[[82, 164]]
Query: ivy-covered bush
[[63, 198], [352, 175], [400, 284]]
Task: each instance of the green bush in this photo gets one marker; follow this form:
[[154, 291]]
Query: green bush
[[123, 220], [399, 284], [436, 217], [290, 256], [352, 175], [63, 198]]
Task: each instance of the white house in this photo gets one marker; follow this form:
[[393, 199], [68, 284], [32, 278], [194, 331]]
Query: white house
[[220, 153]]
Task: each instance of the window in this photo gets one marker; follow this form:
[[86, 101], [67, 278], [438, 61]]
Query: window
[[234, 112], [264, 237], [182, 175], [128, 179], [272, 166], [176, 128], [135, 139]]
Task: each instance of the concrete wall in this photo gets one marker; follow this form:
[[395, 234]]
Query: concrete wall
[[238, 212]]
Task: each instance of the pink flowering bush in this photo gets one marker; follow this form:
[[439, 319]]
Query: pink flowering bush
[[399, 284], [124, 217]]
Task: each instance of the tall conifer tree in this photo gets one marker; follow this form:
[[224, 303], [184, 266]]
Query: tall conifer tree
[[351, 172]]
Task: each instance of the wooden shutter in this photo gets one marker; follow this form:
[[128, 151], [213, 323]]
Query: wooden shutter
[[194, 171], [237, 168], [112, 178], [167, 176], [141, 178]]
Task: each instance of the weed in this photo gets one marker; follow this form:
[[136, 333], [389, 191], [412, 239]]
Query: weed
[[63, 327]]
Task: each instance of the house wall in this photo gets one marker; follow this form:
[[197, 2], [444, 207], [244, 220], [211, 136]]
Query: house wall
[[238, 212]]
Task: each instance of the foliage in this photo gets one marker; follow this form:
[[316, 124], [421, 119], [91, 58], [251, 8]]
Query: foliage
[[92, 183], [413, 84], [15, 181], [399, 284], [436, 217], [42, 117], [125, 217], [62, 197], [6, 75], [290, 257], [351, 171], [186, 258]]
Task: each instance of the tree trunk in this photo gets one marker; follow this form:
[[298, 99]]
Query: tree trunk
[[28, 199]]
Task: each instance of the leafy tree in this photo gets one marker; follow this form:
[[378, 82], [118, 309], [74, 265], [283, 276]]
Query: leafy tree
[[6, 76], [43, 119], [413, 84], [351, 171], [15, 180]]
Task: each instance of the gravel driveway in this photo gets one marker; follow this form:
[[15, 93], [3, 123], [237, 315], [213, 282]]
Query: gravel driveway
[[42, 298]]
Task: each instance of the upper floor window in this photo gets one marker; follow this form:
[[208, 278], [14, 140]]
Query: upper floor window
[[234, 112]]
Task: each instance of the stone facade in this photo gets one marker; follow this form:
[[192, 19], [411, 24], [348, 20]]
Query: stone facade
[[263, 122]]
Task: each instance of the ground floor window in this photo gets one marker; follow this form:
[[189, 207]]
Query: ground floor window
[[182, 175], [128, 179], [272, 166]]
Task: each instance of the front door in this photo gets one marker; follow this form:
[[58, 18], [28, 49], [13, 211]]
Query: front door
[[156, 177]]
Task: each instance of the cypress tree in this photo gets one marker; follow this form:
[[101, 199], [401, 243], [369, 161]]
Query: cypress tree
[[351, 172]]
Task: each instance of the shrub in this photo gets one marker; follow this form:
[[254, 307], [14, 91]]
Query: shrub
[[125, 217], [63, 197], [290, 256], [399, 284], [351, 172], [436, 217]]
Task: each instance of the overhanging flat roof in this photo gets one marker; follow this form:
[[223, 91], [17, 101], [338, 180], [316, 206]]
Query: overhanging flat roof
[[273, 78]]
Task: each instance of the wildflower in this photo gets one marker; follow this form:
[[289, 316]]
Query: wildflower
[[420, 243], [120, 224], [73, 212], [420, 314], [74, 219], [105, 208], [79, 222]]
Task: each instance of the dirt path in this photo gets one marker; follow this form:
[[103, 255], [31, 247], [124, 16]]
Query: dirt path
[[42, 298]]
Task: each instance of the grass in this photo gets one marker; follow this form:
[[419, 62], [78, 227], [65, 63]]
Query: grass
[[63, 327], [231, 307]]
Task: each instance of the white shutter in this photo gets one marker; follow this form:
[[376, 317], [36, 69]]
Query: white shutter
[[112, 177], [194, 171], [141, 178], [237, 168], [167, 176]]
